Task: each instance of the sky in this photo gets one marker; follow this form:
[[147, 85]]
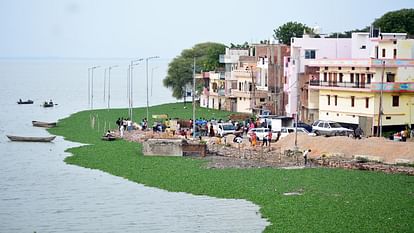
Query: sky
[[136, 28]]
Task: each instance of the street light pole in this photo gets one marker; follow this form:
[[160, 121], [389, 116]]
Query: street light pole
[[89, 87], [194, 106], [91, 91], [380, 113], [297, 102], [146, 71], [109, 84]]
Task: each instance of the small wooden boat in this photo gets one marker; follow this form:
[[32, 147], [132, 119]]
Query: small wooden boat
[[44, 124], [25, 102], [31, 139], [110, 138]]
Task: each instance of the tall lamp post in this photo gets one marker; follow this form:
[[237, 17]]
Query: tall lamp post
[[146, 71], [131, 90], [194, 105], [91, 85], [109, 84]]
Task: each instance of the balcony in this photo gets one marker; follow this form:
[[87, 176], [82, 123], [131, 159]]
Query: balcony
[[318, 84]]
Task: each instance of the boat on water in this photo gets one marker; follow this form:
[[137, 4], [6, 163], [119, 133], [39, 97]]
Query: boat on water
[[48, 104], [25, 102], [31, 139], [44, 124]]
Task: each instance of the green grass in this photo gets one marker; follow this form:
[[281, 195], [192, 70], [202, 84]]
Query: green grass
[[333, 200]]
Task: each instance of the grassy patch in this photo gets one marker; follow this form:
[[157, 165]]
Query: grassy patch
[[332, 200]]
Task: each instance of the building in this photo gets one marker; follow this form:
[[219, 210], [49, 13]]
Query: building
[[380, 71], [302, 51]]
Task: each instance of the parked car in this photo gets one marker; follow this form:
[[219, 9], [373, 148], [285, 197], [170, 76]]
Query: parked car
[[287, 130], [225, 128], [261, 133], [330, 128], [303, 125]]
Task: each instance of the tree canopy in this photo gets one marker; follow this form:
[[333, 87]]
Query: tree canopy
[[245, 45], [397, 21], [289, 30], [180, 69]]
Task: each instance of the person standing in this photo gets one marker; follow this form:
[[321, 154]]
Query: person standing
[[269, 136], [305, 155], [253, 138], [121, 131]]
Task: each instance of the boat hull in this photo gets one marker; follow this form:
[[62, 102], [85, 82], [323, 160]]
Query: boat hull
[[25, 102], [31, 139], [44, 124]]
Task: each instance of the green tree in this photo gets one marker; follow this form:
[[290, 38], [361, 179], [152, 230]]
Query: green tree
[[289, 30], [180, 69], [397, 21], [245, 45]]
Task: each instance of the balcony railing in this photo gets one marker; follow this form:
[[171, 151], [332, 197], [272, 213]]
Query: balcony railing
[[336, 84]]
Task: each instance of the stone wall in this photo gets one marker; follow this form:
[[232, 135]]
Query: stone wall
[[166, 147]]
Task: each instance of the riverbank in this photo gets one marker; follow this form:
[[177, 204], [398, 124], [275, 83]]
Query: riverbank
[[328, 200]]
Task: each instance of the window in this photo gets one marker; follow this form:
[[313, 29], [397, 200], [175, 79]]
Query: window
[[262, 99], [363, 47], [366, 102], [395, 53], [369, 76], [329, 100], [390, 77], [336, 100], [388, 118], [341, 75], [383, 53], [352, 101], [339, 68], [310, 54], [395, 100], [325, 77], [352, 78], [353, 68]]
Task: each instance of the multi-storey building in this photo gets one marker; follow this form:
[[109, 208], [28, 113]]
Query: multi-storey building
[[380, 70], [302, 51], [269, 63], [252, 79]]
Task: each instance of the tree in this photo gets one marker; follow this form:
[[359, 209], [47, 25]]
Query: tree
[[289, 30], [397, 21], [347, 34], [180, 69], [245, 45]]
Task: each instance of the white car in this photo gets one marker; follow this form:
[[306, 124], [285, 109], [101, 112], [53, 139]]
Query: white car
[[225, 128], [261, 133], [285, 131], [330, 128]]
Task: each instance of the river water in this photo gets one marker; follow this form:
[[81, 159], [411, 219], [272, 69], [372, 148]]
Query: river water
[[39, 192]]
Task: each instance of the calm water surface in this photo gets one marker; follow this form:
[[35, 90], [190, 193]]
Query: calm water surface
[[39, 192]]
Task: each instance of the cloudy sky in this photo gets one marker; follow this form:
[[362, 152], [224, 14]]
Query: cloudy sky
[[136, 28]]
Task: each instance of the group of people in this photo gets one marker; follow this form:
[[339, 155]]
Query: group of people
[[266, 141], [124, 124]]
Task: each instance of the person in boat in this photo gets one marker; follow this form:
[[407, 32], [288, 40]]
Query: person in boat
[[50, 102], [20, 100]]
